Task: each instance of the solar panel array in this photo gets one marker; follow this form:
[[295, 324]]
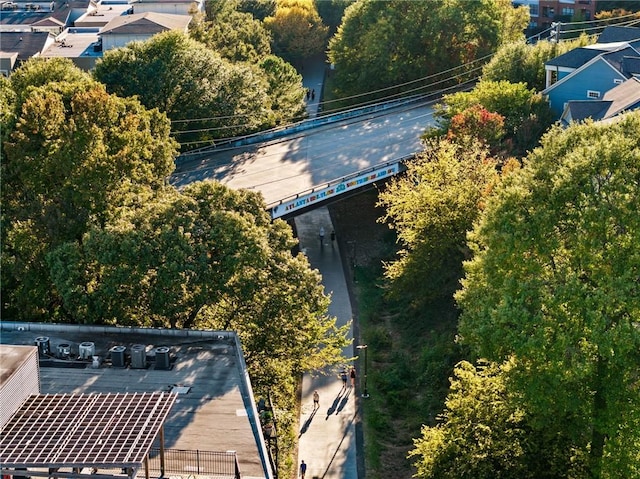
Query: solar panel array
[[84, 430]]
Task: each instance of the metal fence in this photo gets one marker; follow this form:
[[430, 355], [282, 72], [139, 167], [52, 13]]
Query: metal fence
[[203, 463]]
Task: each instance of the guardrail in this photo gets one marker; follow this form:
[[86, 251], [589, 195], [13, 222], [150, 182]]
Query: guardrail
[[189, 463], [324, 192]]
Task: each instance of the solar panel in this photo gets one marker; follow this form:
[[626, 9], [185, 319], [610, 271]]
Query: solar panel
[[84, 430]]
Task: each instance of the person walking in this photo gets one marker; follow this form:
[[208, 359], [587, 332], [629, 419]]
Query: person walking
[[343, 376], [303, 469], [316, 400], [333, 237], [353, 377], [321, 236]]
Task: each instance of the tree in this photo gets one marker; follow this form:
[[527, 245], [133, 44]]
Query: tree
[[526, 114], [478, 123], [76, 156], [554, 283], [235, 35], [331, 12], [521, 62], [42, 71], [285, 88], [205, 96], [483, 433], [432, 207], [260, 9], [297, 30], [377, 47], [205, 257]]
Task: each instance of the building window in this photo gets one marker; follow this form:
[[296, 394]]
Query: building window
[[533, 9], [567, 11], [593, 94]]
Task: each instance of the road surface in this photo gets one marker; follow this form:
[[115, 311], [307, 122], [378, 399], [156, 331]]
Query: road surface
[[282, 168]]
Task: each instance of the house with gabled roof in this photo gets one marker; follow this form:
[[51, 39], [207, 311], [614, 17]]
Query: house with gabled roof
[[140, 27], [622, 98], [610, 65], [20, 46]]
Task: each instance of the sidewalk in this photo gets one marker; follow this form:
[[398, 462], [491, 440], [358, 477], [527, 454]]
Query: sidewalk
[[313, 79], [327, 437]]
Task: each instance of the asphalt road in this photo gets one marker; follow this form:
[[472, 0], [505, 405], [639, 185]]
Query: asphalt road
[[282, 168]]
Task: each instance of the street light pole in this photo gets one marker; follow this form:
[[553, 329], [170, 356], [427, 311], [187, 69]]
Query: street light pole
[[365, 393]]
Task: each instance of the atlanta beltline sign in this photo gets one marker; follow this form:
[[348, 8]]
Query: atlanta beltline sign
[[334, 189]]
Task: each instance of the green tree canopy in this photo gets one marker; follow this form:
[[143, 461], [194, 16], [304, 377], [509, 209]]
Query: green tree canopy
[[526, 114], [381, 44], [521, 62], [205, 96], [297, 29], [235, 35], [331, 12], [432, 207], [554, 282], [205, 257], [75, 157], [483, 433]]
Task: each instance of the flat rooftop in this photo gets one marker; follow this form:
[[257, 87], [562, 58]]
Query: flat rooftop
[[215, 409]]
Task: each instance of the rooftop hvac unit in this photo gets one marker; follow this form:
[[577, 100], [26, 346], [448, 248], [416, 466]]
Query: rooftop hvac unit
[[64, 350], [43, 344], [138, 356], [86, 350], [117, 356], [163, 358]]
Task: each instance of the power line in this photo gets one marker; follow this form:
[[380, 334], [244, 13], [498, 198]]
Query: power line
[[387, 98]]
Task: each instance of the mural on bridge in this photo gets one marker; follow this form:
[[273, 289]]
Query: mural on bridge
[[334, 189]]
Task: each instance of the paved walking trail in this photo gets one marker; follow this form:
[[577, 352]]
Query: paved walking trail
[[327, 434]]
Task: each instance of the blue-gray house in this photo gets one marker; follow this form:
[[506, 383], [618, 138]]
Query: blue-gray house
[[604, 66], [587, 73]]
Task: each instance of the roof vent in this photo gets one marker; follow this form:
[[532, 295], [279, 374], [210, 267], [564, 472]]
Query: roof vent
[[138, 356], [86, 350], [117, 356], [163, 358], [44, 347], [64, 350]]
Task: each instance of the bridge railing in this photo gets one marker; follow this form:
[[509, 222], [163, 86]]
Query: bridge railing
[[306, 124], [324, 192]]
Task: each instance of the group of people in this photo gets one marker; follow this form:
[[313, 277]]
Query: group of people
[[311, 94]]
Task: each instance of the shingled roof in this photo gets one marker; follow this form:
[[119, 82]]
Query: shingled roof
[[145, 23], [615, 33], [25, 44]]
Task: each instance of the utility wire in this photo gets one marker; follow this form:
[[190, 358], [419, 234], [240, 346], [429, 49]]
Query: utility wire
[[387, 98]]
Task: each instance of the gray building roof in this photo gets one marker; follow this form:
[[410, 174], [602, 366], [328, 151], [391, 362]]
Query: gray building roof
[[615, 33], [575, 58], [625, 96], [145, 23], [616, 59], [215, 409], [25, 44]]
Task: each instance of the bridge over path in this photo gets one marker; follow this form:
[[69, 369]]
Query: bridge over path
[[307, 167]]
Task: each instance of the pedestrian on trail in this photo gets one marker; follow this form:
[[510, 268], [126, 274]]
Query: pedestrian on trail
[[353, 377], [321, 236], [307, 93], [333, 237], [303, 469], [343, 376], [316, 400], [313, 94]]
